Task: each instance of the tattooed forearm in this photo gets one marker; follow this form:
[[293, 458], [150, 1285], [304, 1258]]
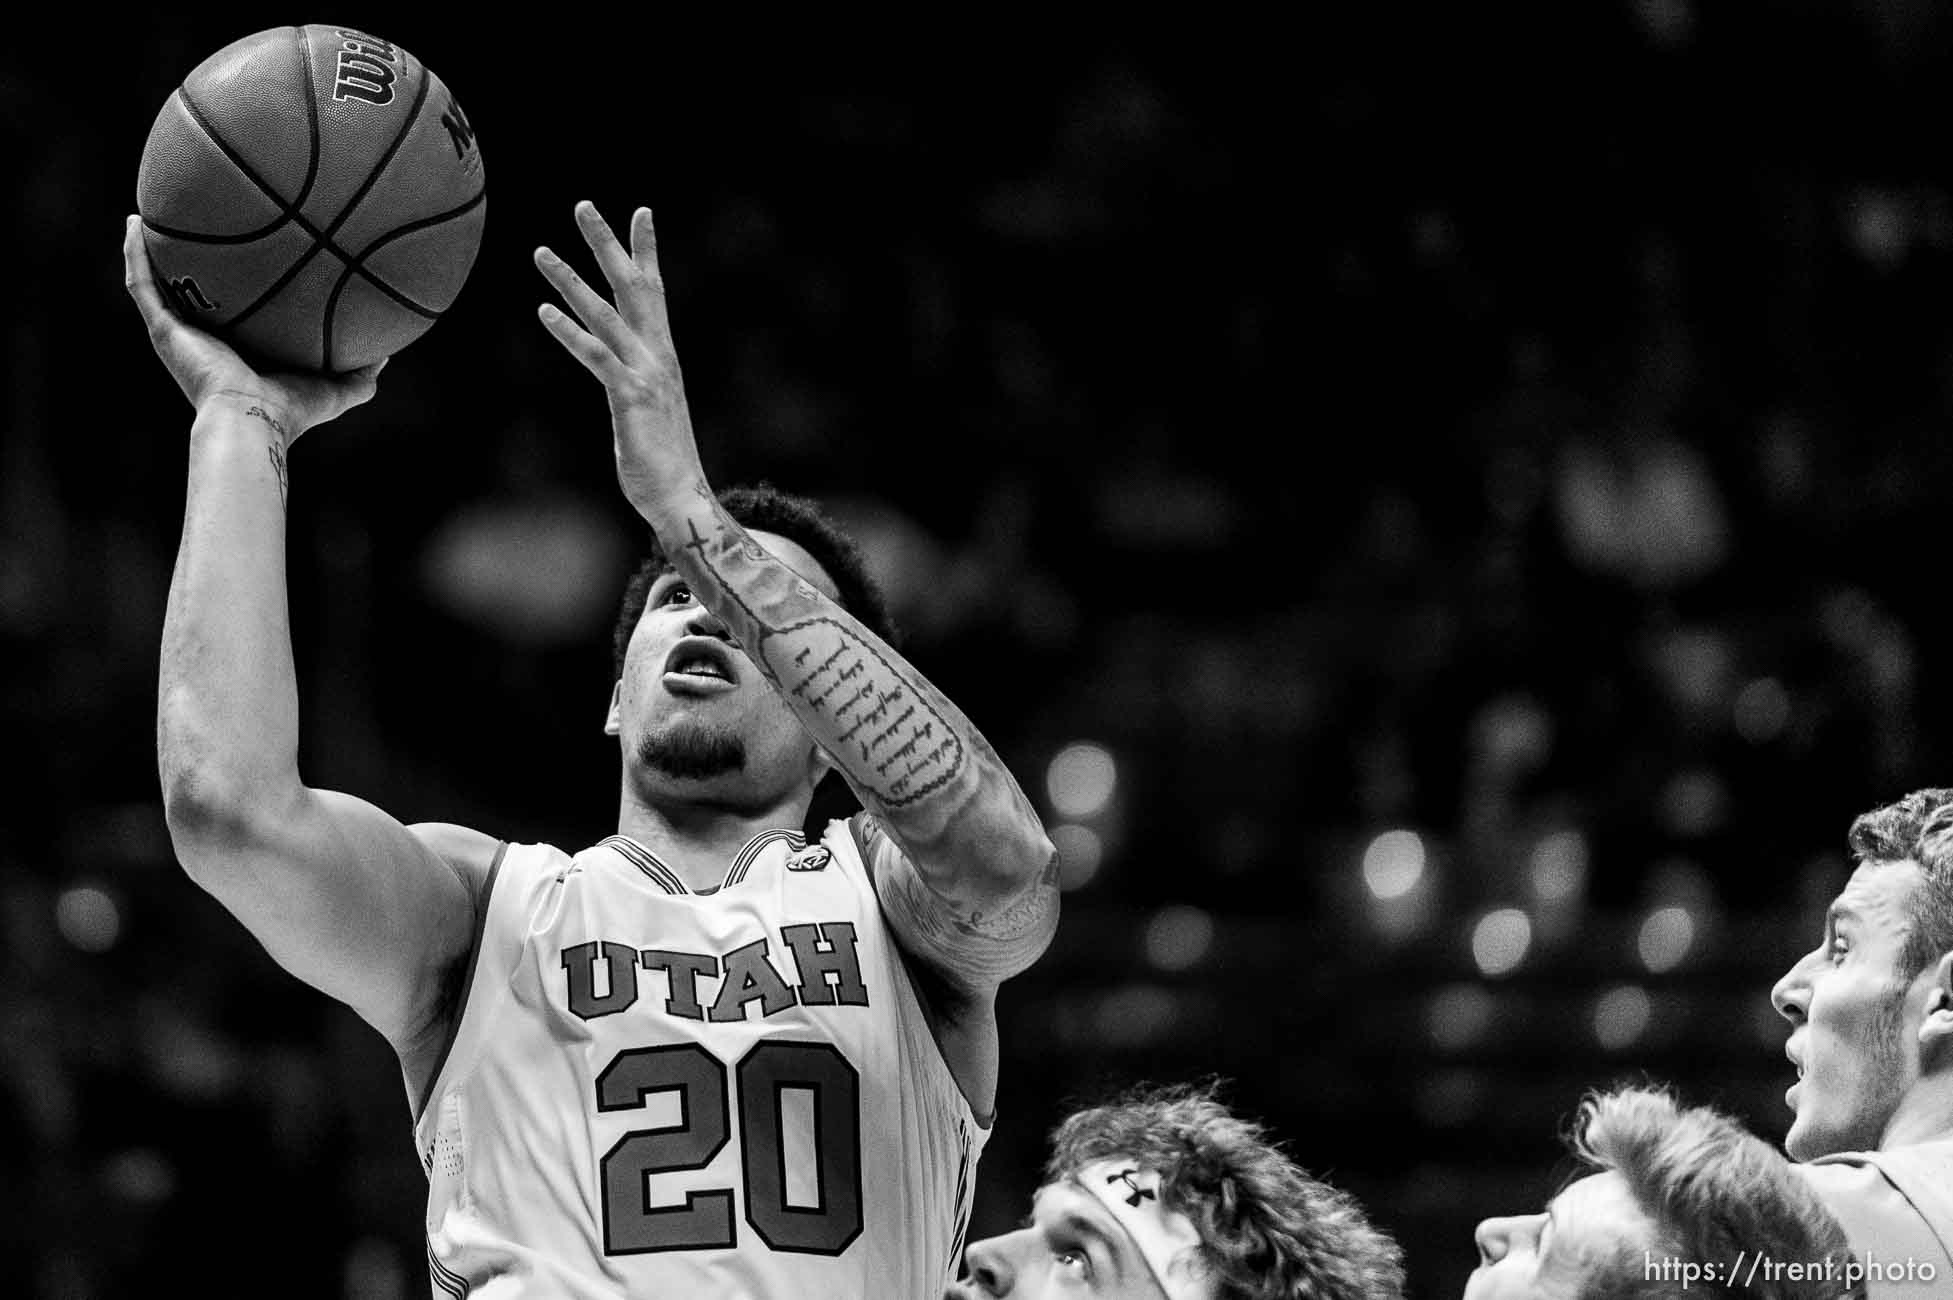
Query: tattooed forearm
[[965, 869], [889, 730], [1019, 917], [275, 448], [976, 948]]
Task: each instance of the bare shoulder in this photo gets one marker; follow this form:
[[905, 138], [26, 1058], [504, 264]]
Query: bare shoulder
[[469, 853]]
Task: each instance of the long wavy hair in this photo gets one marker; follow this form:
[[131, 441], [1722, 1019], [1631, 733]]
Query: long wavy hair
[[1268, 1230]]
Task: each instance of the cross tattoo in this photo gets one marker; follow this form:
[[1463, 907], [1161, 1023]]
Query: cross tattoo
[[1138, 1193]]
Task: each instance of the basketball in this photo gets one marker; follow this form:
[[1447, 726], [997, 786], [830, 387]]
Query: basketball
[[314, 195]]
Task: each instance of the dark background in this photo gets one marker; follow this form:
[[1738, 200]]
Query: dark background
[[1527, 433]]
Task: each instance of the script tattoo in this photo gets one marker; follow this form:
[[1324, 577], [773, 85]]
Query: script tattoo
[[275, 448], [1024, 915], [889, 736], [982, 947], [1028, 911]]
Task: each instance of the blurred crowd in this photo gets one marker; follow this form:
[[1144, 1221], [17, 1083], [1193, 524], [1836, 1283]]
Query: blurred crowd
[[1446, 528]]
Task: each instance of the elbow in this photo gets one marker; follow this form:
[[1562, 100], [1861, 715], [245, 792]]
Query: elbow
[[1037, 863], [199, 803], [206, 818], [1024, 867], [212, 817], [213, 795]]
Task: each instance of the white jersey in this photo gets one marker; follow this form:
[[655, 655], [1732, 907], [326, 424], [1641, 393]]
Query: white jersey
[[1896, 1207], [658, 1093]]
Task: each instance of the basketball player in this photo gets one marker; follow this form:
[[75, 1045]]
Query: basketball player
[[1680, 1203], [1165, 1194], [1871, 1034], [702, 1057]]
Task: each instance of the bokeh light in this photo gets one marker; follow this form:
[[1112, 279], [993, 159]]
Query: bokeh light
[[1178, 937], [1081, 779], [1080, 854], [141, 1175], [1694, 802], [1135, 1014], [1558, 869], [1500, 941], [1667, 934], [88, 918], [1458, 1016], [1621, 1016], [1762, 710], [1393, 864]]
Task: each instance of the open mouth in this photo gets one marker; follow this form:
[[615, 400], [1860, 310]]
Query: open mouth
[[700, 660]]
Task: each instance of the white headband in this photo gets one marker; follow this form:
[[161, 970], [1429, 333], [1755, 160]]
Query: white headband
[[1166, 1239]]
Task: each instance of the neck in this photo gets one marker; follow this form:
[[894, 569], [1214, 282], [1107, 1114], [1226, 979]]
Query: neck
[[1925, 1114], [697, 838]]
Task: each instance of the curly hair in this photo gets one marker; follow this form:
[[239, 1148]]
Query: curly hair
[[1268, 1230], [1715, 1192], [795, 518], [1917, 828]]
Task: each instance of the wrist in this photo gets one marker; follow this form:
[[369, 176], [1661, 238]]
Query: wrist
[[259, 412], [672, 502]]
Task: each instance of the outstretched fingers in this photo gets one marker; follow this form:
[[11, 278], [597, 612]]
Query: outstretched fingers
[[644, 251], [598, 316], [598, 359], [644, 256], [626, 284]]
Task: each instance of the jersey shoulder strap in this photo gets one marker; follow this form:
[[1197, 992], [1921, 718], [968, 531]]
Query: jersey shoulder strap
[[523, 884]]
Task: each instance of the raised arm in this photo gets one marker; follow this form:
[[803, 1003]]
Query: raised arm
[[338, 892], [965, 871]]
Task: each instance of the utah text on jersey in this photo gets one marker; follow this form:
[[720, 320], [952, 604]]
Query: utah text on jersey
[[730, 1091]]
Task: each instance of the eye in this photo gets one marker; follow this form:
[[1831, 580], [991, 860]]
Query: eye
[[1837, 948], [1073, 1261], [676, 594]]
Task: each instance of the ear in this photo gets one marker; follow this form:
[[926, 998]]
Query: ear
[[1937, 1026], [614, 720]]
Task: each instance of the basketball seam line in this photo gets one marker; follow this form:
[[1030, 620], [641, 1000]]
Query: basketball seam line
[[338, 287], [320, 239], [311, 161], [352, 204], [412, 228], [290, 210], [301, 46], [196, 237], [400, 138], [291, 273], [304, 50]]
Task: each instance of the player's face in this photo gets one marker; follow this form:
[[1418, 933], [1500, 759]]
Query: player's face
[[693, 713], [1849, 1005], [1069, 1247], [1591, 1227]]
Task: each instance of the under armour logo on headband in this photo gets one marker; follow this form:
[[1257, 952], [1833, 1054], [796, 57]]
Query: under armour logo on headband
[[1138, 1193]]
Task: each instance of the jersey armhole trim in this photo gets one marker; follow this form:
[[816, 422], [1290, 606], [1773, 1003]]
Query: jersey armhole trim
[[482, 900], [932, 1010], [932, 1013]]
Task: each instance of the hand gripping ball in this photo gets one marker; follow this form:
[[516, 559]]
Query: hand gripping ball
[[314, 195]]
